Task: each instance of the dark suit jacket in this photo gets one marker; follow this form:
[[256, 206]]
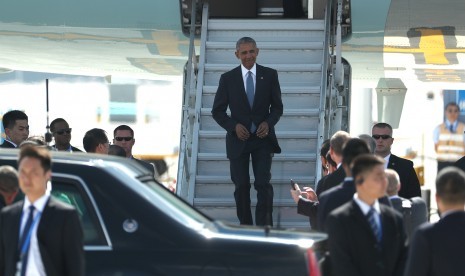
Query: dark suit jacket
[[7, 145], [309, 208], [145, 164], [336, 197], [267, 106], [414, 212], [332, 180], [438, 249], [353, 247], [460, 163], [410, 186], [59, 234], [333, 198]]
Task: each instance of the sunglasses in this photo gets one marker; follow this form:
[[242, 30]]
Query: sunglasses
[[119, 139], [384, 137], [62, 131]]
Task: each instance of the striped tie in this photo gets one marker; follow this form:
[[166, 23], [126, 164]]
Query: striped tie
[[374, 226]]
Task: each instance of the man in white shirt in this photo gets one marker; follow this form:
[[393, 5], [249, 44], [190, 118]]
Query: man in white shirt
[[366, 238], [448, 137], [40, 235]]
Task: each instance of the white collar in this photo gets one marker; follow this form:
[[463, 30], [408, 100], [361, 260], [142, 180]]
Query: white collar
[[245, 70], [39, 204], [365, 207]]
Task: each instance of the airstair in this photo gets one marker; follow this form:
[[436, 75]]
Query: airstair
[[298, 49]]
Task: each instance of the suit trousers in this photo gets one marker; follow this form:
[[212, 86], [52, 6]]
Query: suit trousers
[[261, 152]]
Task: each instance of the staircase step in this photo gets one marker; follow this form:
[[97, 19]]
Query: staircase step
[[287, 216], [279, 134], [288, 157], [223, 179], [211, 89], [286, 78], [214, 141], [230, 46], [228, 202], [279, 67], [265, 25]]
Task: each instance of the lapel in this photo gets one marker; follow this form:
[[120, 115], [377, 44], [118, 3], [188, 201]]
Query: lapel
[[242, 94], [46, 220], [15, 222], [392, 161], [363, 222]]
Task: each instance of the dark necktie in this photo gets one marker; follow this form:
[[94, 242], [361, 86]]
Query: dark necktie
[[374, 226], [24, 235], [250, 89], [451, 128]]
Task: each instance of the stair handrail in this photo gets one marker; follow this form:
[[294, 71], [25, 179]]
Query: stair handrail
[[188, 114], [338, 70]]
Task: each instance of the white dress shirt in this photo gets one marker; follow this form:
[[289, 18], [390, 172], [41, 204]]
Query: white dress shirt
[[366, 208], [35, 266], [386, 161], [245, 71]]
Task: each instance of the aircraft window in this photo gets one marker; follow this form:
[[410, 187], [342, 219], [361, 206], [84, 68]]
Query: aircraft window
[[70, 192]]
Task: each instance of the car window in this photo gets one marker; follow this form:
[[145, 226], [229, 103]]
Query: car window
[[70, 192]]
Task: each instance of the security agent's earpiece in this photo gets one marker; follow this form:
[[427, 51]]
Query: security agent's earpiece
[[359, 181]]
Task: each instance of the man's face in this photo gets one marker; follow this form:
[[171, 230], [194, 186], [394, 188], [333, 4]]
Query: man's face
[[384, 140], [32, 178], [374, 184], [19, 132], [62, 133], [247, 53], [452, 113], [124, 139]]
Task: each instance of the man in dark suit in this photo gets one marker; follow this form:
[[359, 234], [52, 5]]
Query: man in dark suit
[[341, 194], [413, 210], [335, 150], [40, 235], [439, 248], [61, 133], [253, 95], [96, 141], [366, 238], [124, 137], [382, 133], [15, 123]]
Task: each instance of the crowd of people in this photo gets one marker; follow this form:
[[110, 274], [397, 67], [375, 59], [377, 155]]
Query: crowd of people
[[372, 210]]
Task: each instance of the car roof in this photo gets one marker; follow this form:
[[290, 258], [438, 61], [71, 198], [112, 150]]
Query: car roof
[[98, 160]]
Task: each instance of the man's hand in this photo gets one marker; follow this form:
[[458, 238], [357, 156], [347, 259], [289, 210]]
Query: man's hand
[[311, 195], [242, 132], [263, 129], [297, 193]]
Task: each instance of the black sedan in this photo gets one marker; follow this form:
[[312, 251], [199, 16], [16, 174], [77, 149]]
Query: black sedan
[[135, 226]]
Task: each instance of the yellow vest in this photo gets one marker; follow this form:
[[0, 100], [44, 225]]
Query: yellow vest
[[451, 145]]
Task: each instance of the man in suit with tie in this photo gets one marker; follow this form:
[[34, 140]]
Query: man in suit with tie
[[15, 123], [365, 237], [439, 248], [40, 235], [253, 95], [61, 133], [124, 137], [382, 133]]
